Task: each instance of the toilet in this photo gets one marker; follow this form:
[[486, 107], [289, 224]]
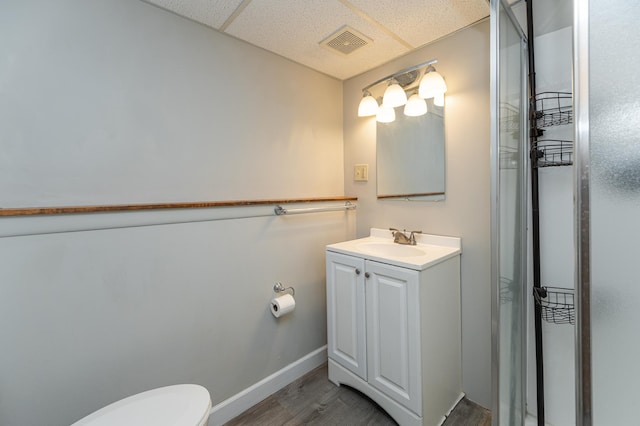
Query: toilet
[[177, 405]]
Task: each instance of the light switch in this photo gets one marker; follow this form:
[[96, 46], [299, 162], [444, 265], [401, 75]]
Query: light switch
[[361, 172]]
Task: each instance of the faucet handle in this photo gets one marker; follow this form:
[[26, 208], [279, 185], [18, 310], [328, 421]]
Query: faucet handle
[[399, 237], [412, 237]]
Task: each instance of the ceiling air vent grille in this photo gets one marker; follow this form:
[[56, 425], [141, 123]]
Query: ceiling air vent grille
[[345, 41]]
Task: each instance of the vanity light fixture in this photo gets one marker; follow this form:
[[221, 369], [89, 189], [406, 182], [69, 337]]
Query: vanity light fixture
[[368, 105], [394, 96], [405, 81], [432, 84], [415, 106], [386, 114]]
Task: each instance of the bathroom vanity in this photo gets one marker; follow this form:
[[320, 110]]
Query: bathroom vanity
[[394, 323]]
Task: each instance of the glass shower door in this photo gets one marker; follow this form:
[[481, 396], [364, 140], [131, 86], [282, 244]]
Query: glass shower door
[[509, 201], [612, 153]]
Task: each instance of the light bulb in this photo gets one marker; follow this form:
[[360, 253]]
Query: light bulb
[[368, 106], [415, 106], [432, 84], [438, 100], [394, 96], [385, 114]]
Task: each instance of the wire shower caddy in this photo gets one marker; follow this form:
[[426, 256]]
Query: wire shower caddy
[[552, 108], [552, 152], [556, 304]]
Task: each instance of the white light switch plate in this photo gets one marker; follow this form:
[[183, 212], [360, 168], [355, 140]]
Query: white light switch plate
[[361, 172]]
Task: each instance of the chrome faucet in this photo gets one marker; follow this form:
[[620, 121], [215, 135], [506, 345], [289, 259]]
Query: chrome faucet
[[401, 238]]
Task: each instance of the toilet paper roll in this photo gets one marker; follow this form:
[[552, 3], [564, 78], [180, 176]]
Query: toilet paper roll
[[282, 305]]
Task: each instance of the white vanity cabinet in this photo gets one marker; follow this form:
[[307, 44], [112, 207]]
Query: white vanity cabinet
[[346, 312], [394, 331]]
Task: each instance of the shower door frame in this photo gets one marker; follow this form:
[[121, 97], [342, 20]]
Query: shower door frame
[[582, 212], [495, 206]]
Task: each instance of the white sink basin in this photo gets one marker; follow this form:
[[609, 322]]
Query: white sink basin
[[392, 249], [379, 246]]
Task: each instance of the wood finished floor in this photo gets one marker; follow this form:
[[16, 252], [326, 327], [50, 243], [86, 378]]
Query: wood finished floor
[[314, 400]]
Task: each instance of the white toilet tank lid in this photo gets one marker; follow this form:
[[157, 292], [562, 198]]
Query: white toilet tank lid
[[177, 405]]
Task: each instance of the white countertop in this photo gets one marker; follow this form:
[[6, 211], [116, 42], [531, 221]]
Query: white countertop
[[379, 246]]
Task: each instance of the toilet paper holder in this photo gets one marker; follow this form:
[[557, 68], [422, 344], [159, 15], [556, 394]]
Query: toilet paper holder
[[279, 288]]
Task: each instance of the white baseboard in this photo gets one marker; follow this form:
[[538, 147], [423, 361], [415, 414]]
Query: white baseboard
[[460, 398], [242, 401]]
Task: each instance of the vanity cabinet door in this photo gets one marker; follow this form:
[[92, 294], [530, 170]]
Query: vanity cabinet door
[[346, 332], [393, 333]]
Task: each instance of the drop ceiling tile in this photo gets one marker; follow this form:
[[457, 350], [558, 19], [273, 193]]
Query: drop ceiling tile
[[212, 13], [294, 30], [421, 21]]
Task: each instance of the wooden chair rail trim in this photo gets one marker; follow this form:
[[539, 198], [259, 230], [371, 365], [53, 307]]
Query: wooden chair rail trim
[[32, 211]]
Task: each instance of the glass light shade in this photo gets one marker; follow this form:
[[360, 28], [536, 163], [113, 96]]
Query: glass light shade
[[415, 106], [385, 114], [394, 96], [368, 106], [432, 84], [438, 100]]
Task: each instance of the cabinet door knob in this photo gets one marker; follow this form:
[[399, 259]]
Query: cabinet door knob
[[366, 275], [357, 271]]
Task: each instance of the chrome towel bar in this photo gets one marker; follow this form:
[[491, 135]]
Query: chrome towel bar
[[279, 210]]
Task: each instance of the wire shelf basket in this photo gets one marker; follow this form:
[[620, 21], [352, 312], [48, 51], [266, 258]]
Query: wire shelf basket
[[552, 152], [506, 290], [509, 157], [510, 120], [553, 108], [557, 305]]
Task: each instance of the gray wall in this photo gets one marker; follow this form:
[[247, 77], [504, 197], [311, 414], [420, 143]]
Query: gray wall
[[115, 101], [121, 102], [464, 63]]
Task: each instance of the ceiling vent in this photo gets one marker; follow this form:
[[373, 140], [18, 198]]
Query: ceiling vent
[[345, 41]]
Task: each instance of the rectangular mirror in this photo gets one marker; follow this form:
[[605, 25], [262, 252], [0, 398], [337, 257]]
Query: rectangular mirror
[[410, 155]]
